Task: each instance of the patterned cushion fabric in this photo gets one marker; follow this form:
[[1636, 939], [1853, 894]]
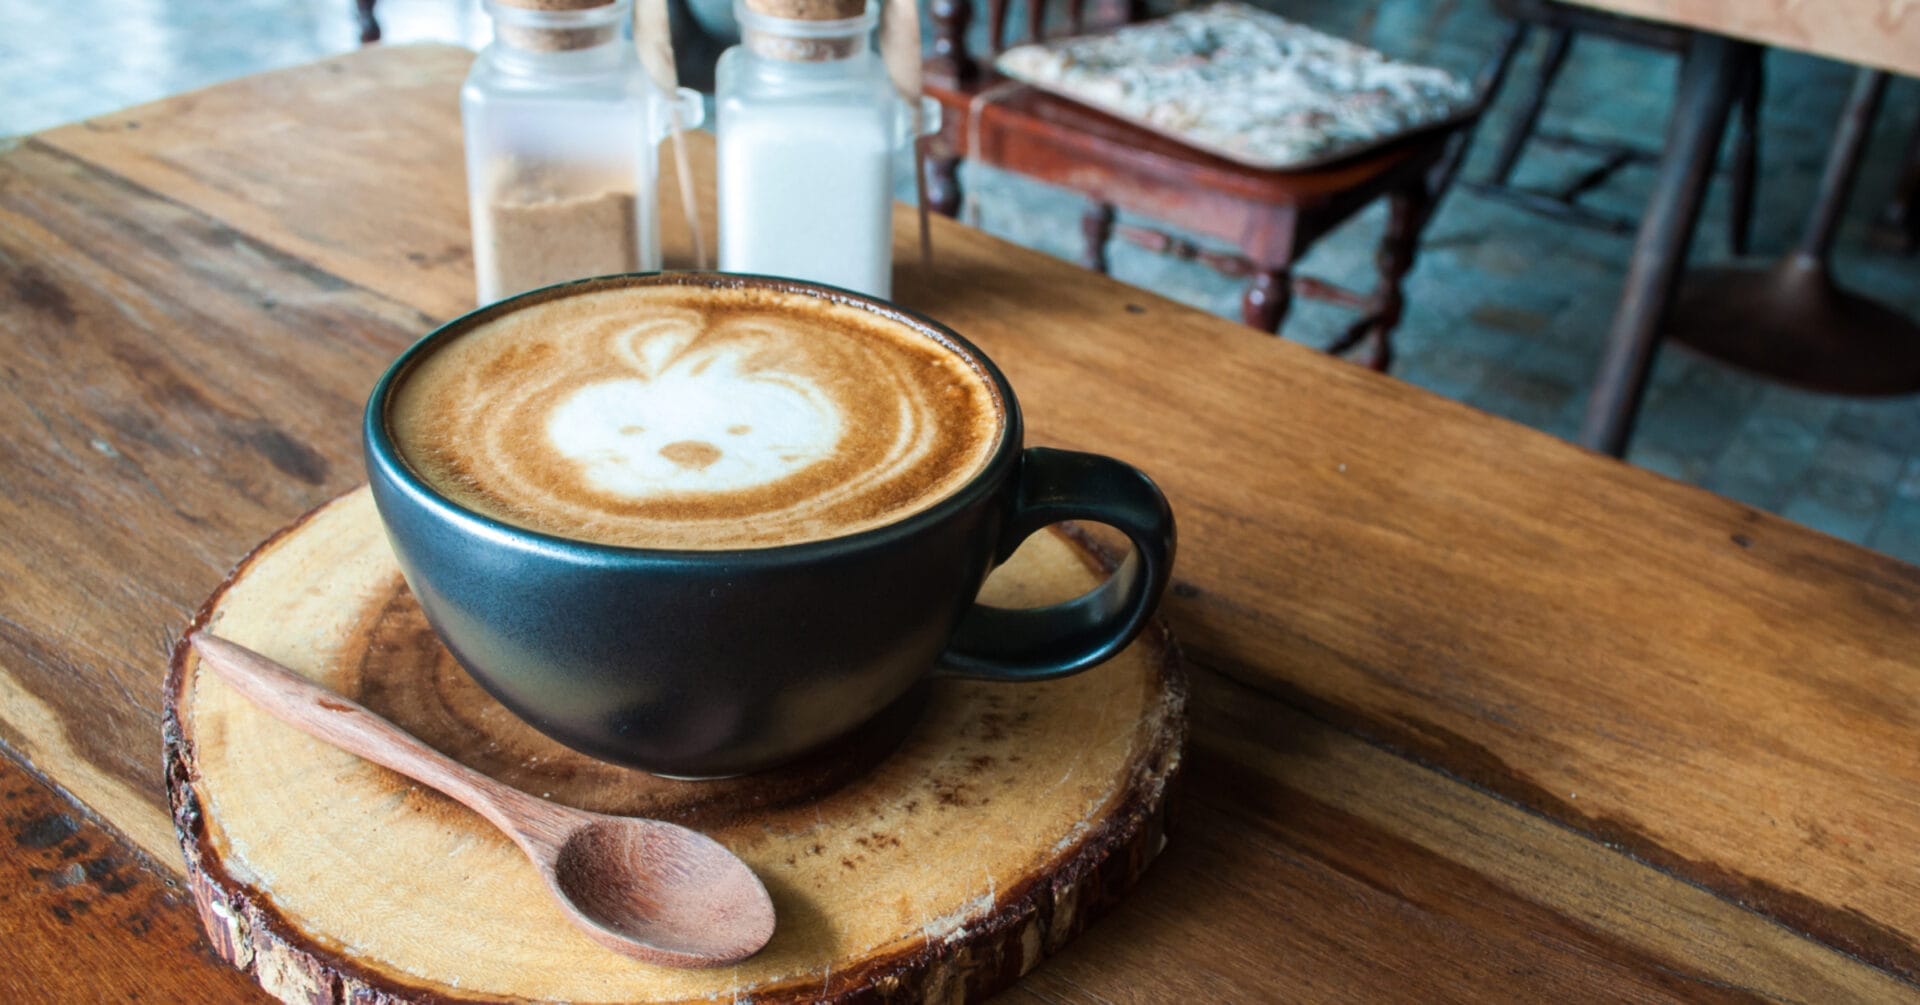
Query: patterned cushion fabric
[[1244, 84]]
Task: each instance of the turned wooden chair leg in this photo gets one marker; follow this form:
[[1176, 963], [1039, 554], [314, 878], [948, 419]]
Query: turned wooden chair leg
[[369, 28], [943, 184], [1264, 304], [1407, 213], [1746, 162], [1096, 227]]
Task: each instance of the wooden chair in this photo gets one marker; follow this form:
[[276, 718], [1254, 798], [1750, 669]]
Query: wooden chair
[[1269, 217], [1561, 23]]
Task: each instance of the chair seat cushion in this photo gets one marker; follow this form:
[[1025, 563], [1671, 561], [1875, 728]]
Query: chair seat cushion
[[1246, 85]]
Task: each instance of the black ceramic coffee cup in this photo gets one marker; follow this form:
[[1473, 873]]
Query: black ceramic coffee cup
[[712, 663]]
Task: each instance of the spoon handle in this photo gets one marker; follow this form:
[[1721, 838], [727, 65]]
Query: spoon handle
[[341, 722]]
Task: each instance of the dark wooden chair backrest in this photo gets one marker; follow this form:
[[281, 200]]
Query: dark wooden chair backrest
[[1037, 20]]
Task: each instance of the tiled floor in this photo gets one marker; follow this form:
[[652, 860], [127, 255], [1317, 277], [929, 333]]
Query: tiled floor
[[1506, 310]]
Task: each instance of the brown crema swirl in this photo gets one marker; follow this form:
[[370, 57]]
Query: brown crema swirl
[[691, 417]]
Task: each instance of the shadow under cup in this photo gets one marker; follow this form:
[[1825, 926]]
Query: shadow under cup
[[714, 663]]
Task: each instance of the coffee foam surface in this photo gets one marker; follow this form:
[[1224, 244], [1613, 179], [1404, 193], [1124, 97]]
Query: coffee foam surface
[[692, 418]]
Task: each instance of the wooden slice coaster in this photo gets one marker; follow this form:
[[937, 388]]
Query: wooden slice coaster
[[936, 857]]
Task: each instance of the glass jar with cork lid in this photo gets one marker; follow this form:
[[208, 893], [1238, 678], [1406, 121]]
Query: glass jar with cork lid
[[808, 126], [563, 128]]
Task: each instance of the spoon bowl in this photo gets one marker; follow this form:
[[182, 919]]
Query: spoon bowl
[[675, 890], [645, 888]]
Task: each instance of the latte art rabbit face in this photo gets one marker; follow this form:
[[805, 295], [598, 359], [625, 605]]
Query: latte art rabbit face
[[675, 417], [693, 418]]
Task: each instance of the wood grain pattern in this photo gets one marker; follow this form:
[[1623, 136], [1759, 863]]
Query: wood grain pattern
[[404, 237], [1714, 691], [83, 919], [1882, 33], [1402, 867], [1313, 866], [145, 449], [983, 839], [643, 888]]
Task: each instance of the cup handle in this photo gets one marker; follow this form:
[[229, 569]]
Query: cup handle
[[1041, 643]]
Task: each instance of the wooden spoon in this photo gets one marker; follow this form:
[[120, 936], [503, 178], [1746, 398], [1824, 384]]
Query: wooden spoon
[[651, 890]]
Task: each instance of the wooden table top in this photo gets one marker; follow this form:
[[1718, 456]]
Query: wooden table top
[[1882, 33], [1477, 714]]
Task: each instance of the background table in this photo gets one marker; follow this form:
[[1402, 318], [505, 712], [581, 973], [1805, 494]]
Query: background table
[[1882, 33], [1725, 50], [1477, 714]]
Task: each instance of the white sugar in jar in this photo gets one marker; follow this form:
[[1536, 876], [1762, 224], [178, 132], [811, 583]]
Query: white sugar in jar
[[808, 125]]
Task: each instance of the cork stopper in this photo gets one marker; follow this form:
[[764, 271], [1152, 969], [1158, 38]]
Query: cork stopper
[[555, 25], [809, 10], [805, 30], [554, 5]]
